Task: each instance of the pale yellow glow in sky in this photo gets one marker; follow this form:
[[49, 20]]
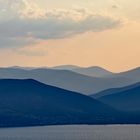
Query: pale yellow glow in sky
[[116, 49]]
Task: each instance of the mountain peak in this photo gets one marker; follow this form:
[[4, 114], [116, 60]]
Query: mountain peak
[[93, 71]]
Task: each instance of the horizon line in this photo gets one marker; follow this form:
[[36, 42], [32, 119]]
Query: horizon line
[[78, 66]]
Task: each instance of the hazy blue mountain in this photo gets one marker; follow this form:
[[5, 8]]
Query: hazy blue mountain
[[66, 79], [127, 98], [93, 71], [25, 68], [96, 71], [66, 67], [28, 102], [132, 74]]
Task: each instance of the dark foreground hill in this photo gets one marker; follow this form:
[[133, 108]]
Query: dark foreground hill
[[31, 103], [28, 103], [126, 98]]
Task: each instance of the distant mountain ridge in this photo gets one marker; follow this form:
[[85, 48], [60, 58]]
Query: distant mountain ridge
[[93, 71], [133, 74], [66, 79], [66, 67], [90, 71]]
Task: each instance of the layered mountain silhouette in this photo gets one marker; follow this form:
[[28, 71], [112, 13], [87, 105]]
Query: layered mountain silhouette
[[67, 79], [132, 74], [28, 103], [126, 98], [94, 71]]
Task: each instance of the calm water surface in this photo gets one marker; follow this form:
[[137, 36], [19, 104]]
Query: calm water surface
[[74, 132]]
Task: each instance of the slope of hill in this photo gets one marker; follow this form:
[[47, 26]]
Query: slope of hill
[[113, 91], [133, 74], [93, 71], [28, 102], [66, 79], [127, 98]]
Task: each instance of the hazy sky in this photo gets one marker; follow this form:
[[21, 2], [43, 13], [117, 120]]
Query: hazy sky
[[82, 32]]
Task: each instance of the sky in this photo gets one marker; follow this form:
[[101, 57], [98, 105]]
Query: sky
[[67, 32]]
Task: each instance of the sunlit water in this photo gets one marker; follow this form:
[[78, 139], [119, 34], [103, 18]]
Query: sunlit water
[[74, 132]]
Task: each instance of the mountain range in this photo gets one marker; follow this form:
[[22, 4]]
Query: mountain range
[[44, 96], [70, 80], [94, 71]]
